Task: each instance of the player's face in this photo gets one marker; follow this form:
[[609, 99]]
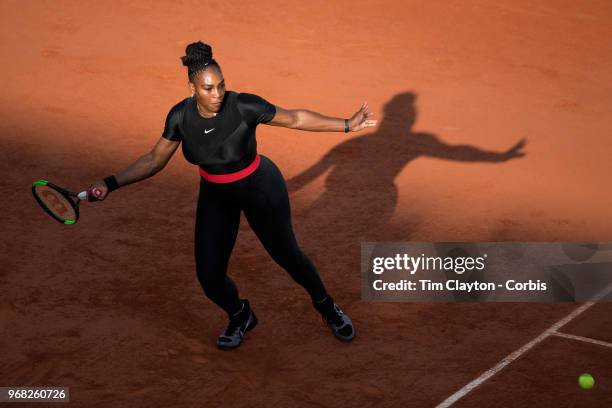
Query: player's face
[[209, 89]]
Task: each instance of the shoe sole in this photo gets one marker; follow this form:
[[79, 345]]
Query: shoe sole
[[343, 339], [250, 326], [340, 337]]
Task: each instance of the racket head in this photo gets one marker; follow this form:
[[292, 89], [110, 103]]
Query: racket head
[[56, 201]]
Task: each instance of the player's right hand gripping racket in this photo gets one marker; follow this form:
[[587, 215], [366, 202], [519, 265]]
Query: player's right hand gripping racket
[[59, 203]]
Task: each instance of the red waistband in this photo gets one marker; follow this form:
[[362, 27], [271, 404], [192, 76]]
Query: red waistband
[[230, 177]]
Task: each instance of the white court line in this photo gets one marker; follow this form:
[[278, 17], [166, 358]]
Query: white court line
[[516, 354], [585, 339]]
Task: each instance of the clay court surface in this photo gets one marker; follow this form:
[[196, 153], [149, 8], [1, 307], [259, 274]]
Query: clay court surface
[[111, 306]]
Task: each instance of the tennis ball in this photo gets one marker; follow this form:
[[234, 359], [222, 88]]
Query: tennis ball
[[586, 381]]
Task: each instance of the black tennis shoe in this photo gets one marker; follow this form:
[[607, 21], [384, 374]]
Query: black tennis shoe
[[239, 324], [339, 323]]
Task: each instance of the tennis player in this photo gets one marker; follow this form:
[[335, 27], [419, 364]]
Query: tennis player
[[217, 129]]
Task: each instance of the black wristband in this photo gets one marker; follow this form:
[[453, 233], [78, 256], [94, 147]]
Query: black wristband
[[111, 183], [346, 128]]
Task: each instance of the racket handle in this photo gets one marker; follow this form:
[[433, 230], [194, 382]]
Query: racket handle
[[82, 195]]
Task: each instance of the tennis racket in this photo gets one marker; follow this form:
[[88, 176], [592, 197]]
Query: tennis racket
[[59, 203]]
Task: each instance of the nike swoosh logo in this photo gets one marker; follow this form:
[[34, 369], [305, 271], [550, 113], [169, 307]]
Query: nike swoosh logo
[[207, 131], [243, 329]]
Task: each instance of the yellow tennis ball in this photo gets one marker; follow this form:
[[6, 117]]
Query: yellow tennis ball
[[586, 381]]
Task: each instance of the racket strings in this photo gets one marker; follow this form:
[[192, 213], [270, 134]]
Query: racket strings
[[60, 206]]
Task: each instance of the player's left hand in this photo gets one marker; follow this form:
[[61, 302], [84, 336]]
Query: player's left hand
[[360, 119]]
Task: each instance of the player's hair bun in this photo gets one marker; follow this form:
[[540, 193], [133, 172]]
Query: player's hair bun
[[199, 57], [197, 53]]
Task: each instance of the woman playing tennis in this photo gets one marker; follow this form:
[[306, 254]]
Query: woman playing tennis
[[217, 129]]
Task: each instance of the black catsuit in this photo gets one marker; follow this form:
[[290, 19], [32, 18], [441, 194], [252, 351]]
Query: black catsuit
[[226, 144]]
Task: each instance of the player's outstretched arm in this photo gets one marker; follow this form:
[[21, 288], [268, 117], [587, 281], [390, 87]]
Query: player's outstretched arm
[[144, 167], [303, 119]]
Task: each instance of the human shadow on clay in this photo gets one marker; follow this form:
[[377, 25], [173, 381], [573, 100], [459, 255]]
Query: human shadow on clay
[[360, 193]]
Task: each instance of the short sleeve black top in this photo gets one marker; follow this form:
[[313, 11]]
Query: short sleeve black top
[[224, 143]]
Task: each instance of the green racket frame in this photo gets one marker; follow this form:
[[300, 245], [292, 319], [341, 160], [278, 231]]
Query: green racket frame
[[65, 193]]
